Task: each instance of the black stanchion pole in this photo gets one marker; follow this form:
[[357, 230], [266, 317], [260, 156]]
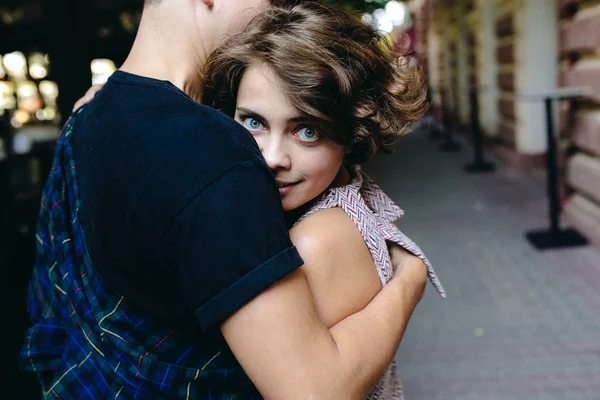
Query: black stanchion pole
[[433, 132], [449, 143], [552, 172], [553, 237], [479, 164]]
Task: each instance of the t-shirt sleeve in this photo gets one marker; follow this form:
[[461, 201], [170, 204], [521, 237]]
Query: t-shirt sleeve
[[230, 242]]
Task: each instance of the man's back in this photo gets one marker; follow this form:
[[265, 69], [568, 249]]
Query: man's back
[[144, 152], [148, 196]]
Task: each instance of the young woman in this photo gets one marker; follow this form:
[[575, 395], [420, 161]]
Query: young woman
[[321, 95]]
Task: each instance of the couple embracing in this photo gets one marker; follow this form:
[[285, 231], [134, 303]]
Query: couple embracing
[[206, 231]]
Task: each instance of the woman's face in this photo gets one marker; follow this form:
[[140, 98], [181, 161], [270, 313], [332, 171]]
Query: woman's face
[[304, 164]]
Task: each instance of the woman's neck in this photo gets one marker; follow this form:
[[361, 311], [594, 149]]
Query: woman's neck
[[343, 177]]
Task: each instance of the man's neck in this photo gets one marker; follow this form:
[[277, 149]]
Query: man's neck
[[159, 52]]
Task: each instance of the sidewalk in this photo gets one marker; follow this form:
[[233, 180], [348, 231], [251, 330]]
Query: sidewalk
[[518, 323]]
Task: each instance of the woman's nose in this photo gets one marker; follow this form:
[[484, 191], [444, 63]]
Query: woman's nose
[[275, 155]]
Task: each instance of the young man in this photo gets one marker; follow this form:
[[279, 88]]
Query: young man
[[163, 257]]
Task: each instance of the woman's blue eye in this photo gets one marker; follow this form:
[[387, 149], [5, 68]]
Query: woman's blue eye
[[252, 124], [308, 135]]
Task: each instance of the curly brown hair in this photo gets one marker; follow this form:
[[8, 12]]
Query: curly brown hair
[[335, 69]]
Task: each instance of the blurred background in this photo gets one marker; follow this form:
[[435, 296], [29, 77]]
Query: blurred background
[[500, 181]]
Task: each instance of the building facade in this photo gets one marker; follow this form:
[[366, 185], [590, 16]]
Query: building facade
[[514, 51]]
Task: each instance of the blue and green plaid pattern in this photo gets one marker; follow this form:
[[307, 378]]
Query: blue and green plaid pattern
[[86, 341]]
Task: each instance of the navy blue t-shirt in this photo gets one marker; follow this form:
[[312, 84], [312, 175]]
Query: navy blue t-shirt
[[181, 214]]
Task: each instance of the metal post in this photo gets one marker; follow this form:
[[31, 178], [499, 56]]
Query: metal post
[[449, 144], [552, 170], [433, 131], [479, 164], [553, 237]]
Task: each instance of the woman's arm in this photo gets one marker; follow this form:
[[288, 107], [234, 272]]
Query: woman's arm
[[338, 265], [289, 353]]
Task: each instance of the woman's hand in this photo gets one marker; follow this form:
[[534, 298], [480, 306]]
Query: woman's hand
[[410, 267], [87, 97]]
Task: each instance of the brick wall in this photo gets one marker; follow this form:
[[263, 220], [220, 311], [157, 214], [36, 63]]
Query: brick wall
[[437, 24], [579, 44], [421, 24], [505, 56]]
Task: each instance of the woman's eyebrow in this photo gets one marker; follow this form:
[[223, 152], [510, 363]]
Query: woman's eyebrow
[[249, 112], [300, 118]]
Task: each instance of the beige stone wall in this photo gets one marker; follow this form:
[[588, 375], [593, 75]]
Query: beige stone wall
[[507, 46], [579, 46], [483, 19], [437, 59], [462, 60], [506, 38], [451, 48], [578, 36]]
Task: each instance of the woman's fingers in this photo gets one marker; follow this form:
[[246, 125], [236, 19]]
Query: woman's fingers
[[87, 97]]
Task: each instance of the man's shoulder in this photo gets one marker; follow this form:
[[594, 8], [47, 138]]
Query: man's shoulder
[[161, 115], [156, 155]]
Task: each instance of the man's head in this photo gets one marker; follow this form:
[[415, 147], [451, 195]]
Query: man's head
[[278, 3], [207, 22], [176, 37]]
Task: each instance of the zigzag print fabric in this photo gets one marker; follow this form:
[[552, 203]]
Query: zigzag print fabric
[[374, 213]]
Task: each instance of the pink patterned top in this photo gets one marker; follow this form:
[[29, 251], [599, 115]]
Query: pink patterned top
[[374, 212]]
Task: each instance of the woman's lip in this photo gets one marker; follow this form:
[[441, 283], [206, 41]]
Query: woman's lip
[[286, 183], [283, 190]]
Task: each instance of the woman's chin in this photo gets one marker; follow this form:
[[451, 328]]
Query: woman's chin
[[291, 204], [289, 207]]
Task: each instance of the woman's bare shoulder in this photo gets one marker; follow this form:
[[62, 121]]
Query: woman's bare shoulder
[[337, 263], [327, 231]]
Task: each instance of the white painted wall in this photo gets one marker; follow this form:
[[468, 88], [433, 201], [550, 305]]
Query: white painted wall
[[433, 58], [445, 48], [463, 68], [537, 58], [488, 72]]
